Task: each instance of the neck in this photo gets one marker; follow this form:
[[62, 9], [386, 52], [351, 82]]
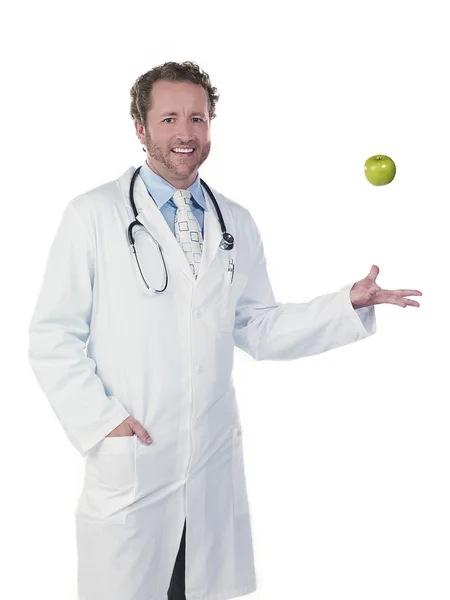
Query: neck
[[180, 184]]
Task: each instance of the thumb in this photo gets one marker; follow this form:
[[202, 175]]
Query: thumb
[[141, 433], [373, 273]]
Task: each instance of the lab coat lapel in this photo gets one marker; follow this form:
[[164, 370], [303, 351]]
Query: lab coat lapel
[[151, 217], [212, 238]]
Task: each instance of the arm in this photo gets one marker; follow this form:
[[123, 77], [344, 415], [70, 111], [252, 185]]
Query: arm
[[58, 332], [270, 330]]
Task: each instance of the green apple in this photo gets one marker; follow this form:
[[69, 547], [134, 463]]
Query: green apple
[[379, 169]]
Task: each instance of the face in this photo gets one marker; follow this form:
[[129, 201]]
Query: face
[[179, 118]]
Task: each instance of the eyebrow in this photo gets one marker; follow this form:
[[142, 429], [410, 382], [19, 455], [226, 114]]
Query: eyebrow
[[175, 114]]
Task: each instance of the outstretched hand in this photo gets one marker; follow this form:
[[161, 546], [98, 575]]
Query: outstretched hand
[[367, 293]]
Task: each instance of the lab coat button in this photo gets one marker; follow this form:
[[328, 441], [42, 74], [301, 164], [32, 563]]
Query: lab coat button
[[198, 368], [198, 313]]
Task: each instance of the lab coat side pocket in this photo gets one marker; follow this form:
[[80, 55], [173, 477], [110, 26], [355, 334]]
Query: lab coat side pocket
[[234, 285], [109, 480], [240, 500]]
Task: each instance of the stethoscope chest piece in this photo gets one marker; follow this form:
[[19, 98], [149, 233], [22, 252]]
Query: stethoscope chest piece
[[227, 242]]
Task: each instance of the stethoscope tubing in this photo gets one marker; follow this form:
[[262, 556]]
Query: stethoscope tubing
[[227, 242]]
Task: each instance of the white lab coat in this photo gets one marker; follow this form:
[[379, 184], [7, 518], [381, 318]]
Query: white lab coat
[[166, 360]]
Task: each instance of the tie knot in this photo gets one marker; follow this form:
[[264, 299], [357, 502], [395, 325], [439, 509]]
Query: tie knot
[[182, 197]]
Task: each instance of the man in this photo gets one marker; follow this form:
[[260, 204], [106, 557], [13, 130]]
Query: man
[[151, 405]]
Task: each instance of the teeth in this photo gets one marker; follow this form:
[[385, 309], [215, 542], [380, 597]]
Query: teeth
[[183, 150]]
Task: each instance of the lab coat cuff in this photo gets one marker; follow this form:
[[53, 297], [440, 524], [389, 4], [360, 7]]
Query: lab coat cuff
[[364, 318]]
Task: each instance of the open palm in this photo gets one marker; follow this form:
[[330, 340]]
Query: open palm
[[367, 293]]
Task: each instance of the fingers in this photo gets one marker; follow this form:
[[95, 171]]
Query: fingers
[[129, 427], [397, 297], [404, 302], [405, 292], [142, 433]]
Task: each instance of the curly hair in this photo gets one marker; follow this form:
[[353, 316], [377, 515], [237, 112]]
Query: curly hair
[[169, 71]]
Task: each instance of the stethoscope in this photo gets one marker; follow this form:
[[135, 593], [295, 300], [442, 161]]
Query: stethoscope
[[226, 243]]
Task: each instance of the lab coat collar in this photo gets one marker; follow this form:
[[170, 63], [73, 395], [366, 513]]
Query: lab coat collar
[[151, 217]]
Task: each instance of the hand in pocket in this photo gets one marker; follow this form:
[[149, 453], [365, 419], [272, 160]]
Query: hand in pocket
[[131, 427]]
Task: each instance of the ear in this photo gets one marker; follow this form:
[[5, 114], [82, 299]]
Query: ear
[[140, 131]]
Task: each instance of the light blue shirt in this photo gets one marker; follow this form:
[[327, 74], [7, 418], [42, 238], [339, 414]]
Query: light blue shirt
[[162, 191]]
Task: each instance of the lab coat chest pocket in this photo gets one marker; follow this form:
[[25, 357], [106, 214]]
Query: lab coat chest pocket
[[234, 285], [109, 482]]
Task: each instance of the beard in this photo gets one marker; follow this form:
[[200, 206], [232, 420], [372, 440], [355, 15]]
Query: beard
[[165, 156]]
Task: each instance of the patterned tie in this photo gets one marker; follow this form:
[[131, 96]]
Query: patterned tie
[[187, 230]]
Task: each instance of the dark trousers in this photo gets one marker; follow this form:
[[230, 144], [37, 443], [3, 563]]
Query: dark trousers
[[176, 589]]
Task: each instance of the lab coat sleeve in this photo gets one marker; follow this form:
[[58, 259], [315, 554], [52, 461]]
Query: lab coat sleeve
[[58, 333], [271, 330]]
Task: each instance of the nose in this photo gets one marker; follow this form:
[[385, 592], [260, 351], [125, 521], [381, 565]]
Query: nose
[[184, 130]]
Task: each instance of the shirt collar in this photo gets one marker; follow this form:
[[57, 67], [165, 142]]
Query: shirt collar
[[162, 191]]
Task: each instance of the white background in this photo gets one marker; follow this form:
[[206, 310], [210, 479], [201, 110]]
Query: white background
[[347, 452]]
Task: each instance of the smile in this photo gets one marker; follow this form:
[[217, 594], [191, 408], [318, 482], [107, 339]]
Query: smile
[[183, 150]]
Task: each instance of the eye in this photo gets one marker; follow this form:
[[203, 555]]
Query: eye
[[199, 119]]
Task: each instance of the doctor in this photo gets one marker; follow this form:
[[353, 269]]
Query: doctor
[[151, 405]]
